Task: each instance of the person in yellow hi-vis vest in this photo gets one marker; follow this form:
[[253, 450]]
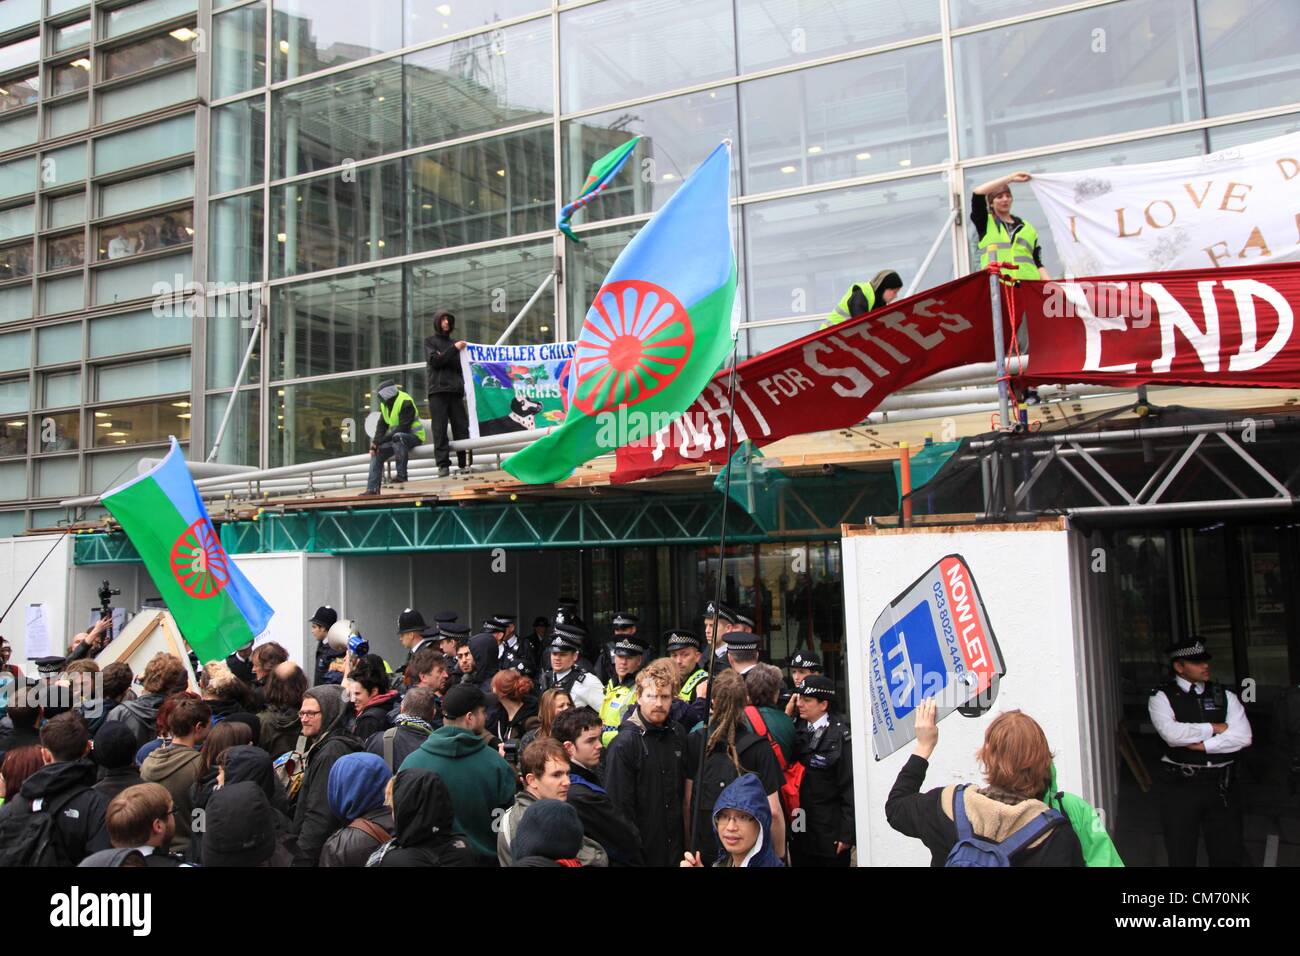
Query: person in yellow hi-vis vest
[[398, 431], [620, 692], [1002, 236], [863, 297]]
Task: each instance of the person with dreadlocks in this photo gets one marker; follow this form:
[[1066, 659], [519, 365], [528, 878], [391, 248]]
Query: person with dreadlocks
[[732, 749]]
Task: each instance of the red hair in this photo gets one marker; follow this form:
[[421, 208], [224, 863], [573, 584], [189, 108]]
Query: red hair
[[1016, 756], [19, 764], [511, 685], [162, 725]]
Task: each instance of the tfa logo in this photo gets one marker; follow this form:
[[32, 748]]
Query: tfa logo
[[76, 909]]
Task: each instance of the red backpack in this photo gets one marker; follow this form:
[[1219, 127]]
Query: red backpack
[[792, 773]]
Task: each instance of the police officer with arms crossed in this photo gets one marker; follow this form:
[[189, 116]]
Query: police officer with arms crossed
[[567, 674], [1204, 727]]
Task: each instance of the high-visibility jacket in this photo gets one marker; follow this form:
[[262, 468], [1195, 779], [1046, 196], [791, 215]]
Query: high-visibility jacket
[[392, 414], [687, 693], [1017, 245], [619, 699], [842, 312]]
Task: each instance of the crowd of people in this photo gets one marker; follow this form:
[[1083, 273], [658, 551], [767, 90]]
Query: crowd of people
[[501, 748]]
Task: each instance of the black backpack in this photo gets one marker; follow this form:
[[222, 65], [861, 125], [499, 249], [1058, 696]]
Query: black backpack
[[719, 771], [32, 838]]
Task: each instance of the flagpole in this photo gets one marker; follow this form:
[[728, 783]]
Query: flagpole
[[527, 305], [717, 600]]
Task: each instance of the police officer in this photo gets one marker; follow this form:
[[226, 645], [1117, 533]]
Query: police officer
[[803, 664], [511, 653], [826, 791], [412, 632], [863, 297], [566, 612], [325, 618], [1204, 727], [624, 626], [742, 649], [567, 674], [537, 640], [684, 649], [718, 620], [451, 633], [399, 429], [620, 691]]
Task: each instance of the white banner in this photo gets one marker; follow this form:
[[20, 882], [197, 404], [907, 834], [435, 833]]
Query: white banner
[[1235, 207], [515, 387]]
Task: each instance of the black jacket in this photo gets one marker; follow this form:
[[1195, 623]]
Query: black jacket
[[423, 817], [645, 774], [281, 729], [406, 741], [141, 715], [113, 782], [921, 815], [374, 717], [601, 820], [324, 655], [80, 822], [352, 846], [313, 820], [503, 728], [443, 361], [240, 668], [826, 794]]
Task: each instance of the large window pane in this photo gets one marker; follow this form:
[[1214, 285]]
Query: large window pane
[[58, 343], [239, 445], [136, 331], [1224, 137], [65, 118], [879, 114], [60, 388], [63, 252], [136, 379], [55, 7], [17, 221], [12, 523], [239, 53], [229, 323], [57, 477], [171, 137], [235, 246], [677, 135], [17, 177], [303, 415], [70, 78], [425, 21], [13, 55], [17, 13], [63, 295], [147, 234], [19, 92], [138, 15], [965, 13], [344, 117], [488, 189], [111, 469], [237, 144], [58, 432], [71, 35], [18, 132], [16, 303], [1026, 206], [15, 350], [1048, 81], [1249, 53], [16, 261], [63, 166], [145, 422], [146, 54], [13, 481], [495, 79], [127, 282], [15, 395], [151, 94], [154, 190], [802, 253], [310, 35], [65, 210], [778, 32], [13, 436], [620, 49]]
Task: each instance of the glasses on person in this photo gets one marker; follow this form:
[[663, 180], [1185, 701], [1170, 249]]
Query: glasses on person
[[309, 713]]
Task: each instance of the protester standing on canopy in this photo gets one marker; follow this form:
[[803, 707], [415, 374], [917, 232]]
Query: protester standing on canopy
[[1002, 236]]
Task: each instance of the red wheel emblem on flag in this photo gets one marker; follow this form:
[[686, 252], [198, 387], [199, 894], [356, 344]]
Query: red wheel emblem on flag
[[199, 562], [636, 339]]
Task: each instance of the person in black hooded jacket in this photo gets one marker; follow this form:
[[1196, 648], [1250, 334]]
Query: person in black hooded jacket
[[423, 815], [313, 820], [446, 391], [549, 834], [483, 647]]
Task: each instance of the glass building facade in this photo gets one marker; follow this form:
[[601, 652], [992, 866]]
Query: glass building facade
[[346, 168]]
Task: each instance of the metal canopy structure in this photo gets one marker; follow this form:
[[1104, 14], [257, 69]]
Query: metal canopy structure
[[810, 507]]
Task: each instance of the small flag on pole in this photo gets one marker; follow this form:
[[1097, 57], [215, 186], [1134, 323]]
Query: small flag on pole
[[216, 608], [598, 177]]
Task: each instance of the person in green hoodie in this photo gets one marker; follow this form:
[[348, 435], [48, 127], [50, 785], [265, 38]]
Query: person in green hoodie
[[480, 781], [1098, 850], [178, 765]]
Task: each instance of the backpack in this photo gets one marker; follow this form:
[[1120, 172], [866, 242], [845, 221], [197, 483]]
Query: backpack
[[792, 773], [720, 771], [32, 838], [972, 850], [289, 768], [371, 829]]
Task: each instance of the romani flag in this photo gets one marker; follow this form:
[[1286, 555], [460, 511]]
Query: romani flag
[[215, 607], [657, 331], [598, 177]]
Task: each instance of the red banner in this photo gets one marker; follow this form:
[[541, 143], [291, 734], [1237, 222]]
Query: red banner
[[829, 379], [1232, 327]]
